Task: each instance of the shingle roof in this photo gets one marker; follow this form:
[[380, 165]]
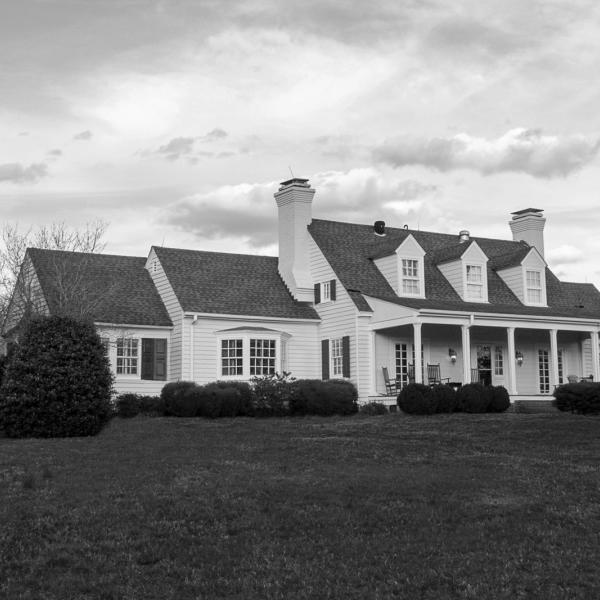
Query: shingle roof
[[236, 284], [118, 289], [350, 248]]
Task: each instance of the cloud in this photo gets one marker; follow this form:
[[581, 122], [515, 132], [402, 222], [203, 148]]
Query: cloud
[[213, 136], [564, 255], [246, 213], [518, 150], [84, 135], [177, 147], [16, 173], [55, 152]]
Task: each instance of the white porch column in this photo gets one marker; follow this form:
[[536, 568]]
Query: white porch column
[[553, 358], [466, 353], [595, 357], [512, 361], [417, 343]]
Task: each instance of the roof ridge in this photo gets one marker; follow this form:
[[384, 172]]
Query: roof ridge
[[79, 253], [214, 252]]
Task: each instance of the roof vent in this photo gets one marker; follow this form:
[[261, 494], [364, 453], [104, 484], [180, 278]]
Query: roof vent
[[379, 227], [463, 236]]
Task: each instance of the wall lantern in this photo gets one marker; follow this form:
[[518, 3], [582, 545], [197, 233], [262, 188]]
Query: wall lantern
[[452, 355], [519, 357]]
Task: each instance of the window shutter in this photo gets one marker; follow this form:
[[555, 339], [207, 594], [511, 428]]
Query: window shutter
[[317, 293], [160, 360], [147, 358], [332, 289], [325, 358], [346, 356]]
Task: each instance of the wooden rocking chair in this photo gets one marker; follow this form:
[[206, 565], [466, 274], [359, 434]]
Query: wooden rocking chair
[[434, 375], [391, 385]]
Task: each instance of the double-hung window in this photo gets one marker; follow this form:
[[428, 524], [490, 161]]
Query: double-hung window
[[410, 277], [325, 291], [247, 356], [127, 356], [533, 281], [337, 360], [474, 282]]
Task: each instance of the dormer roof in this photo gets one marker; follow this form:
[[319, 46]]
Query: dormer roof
[[452, 253], [350, 249]]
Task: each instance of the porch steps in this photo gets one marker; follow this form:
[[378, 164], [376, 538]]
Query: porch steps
[[528, 405]]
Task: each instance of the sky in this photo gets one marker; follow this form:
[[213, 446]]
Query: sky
[[175, 120]]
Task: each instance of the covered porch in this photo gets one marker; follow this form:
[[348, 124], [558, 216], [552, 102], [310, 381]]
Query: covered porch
[[528, 356]]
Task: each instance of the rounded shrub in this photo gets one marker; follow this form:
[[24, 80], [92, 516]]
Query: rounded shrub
[[271, 394], [500, 399], [128, 405], [323, 397], [178, 399], [581, 398], [444, 397], [373, 409], [58, 381], [152, 406], [226, 399], [417, 399], [473, 398]]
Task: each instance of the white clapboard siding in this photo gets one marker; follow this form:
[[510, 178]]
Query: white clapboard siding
[[513, 278], [175, 312], [339, 319], [302, 344], [134, 383], [388, 265], [453, 272]]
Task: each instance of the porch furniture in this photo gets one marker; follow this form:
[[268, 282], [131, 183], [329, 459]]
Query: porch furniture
[[410, 372], [572, 378], [588, 379], [475, 376], [391, 385], [434, 375]]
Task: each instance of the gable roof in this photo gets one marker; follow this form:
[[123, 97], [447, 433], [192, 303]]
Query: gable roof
[[235, 284], [350, 248], [451, 253], [118, 288]]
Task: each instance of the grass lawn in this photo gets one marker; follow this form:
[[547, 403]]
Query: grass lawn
[[449, 506]]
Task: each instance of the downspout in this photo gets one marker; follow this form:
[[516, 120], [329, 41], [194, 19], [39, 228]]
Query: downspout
[[192, 347]]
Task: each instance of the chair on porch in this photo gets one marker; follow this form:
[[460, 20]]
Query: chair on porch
[[434, 375], [391, 385], [475, 375], [410, 372]]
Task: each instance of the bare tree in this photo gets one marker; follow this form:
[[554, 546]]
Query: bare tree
[[19, 291]]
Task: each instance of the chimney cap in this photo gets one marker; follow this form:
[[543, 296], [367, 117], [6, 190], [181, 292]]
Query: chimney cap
[[379, 228], [526, 211], [294, 181], [464, 236]]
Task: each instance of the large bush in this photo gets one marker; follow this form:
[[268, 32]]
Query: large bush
[[57, 383], [323, 397], [582, 398], [373, 409], [178, 398], [128, 405], [272, 394], [473, 398], [500, 399], [444, 398], [224, 399], [417, 399]]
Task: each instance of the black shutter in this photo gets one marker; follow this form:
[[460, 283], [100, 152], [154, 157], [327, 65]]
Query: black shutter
[[160, 360], [147, 358], [325, 358], [332, 289], [317, 293], [346, 356]]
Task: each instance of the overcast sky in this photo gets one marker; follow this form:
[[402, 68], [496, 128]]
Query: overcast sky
[[174, 120]]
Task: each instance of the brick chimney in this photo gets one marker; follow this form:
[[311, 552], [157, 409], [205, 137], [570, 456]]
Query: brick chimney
[[528, 225], [294, 203]]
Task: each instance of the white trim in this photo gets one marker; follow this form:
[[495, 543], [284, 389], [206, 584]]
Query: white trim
[[131, 325], [258, 318], [246, 336]]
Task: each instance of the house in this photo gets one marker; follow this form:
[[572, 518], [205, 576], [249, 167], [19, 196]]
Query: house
[[341, 300]]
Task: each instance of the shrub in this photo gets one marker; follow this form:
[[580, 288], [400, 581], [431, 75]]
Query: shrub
[[473, 398], [152, 406], [178, 399], [58, 381], [444, 398], [581, 398], [323, 397], [373, 408], [128, 405], [228, 399], [272, 394], [417, 399], [500, 400]]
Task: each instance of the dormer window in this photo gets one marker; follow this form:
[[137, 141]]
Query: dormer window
[[474, 282], [534, 287], [325, 291], [410, 277]]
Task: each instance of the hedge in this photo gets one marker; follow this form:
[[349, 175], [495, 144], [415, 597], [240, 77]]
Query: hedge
[[582, 398], [323, 397]]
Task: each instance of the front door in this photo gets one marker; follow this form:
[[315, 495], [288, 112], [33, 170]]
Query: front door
[[490, 364]]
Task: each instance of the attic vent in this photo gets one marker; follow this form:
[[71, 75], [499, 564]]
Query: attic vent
[[463, 236], [379, 227]]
